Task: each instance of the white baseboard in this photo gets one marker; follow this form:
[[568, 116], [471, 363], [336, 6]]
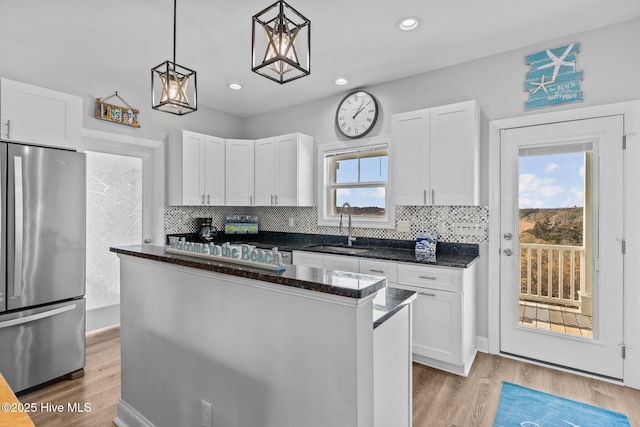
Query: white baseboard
[[102, 317], [482, 344], [129, 417]]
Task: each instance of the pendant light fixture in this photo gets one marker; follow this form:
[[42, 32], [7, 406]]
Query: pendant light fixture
[[173, 87], [281, 43]]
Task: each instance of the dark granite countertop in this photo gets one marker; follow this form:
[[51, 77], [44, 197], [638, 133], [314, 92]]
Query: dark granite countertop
[[351, 285], [388, 302], [458, 255]]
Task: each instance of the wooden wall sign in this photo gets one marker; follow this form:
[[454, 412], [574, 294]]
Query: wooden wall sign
[[552, 78], [115, 113]]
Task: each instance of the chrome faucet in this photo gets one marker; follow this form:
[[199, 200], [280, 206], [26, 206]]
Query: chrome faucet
[[350, 239]]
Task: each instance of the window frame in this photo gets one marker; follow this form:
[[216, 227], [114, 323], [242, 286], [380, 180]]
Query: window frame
[[326, 184]]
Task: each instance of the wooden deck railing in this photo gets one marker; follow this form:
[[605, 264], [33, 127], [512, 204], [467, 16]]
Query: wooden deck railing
[[552, 274]]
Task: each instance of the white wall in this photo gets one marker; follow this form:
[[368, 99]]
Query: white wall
[[609, 58], [154, 124]]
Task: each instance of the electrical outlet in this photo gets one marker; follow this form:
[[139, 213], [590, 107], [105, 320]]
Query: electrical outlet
[[205, 414], [292, 222], [404, 226], [469, 229]]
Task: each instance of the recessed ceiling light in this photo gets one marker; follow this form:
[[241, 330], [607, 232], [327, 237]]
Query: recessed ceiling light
[[409, 23], [341, 81], [235, 86]]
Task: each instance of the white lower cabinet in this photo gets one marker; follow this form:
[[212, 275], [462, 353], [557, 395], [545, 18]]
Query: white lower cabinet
[[392, 371], [444, 313], [342, 263], [309, 259]]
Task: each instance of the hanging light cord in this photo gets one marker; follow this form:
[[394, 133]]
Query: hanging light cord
[[174, 32]]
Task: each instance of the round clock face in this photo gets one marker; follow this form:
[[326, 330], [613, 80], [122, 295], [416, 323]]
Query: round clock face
[[357, 114]]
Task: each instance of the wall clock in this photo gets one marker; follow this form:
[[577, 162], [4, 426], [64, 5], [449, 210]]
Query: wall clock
[[357, 114]]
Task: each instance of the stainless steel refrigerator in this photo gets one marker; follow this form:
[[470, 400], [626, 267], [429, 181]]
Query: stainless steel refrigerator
[[42, 263]]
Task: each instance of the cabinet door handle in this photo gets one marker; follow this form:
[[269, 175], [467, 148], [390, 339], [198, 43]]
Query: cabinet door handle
[[433, 197], [208, 199], [276, 196], [250, 199], [426, 295], [425, 197], [376, 271], [272, 200], [428, 277], [8, 129], [203, 199]]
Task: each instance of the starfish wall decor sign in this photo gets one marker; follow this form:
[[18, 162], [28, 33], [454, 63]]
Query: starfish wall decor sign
[[552, 78]]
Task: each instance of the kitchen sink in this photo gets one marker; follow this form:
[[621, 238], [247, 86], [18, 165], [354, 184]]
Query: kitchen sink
[[349, 250]]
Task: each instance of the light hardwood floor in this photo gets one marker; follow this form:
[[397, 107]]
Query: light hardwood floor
[[440, 399]]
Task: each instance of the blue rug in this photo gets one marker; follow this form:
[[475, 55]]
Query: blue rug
[[524, 407]]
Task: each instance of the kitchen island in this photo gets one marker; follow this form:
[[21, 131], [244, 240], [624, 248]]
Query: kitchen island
[[263, 348]]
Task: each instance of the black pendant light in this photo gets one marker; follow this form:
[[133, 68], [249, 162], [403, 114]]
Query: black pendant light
[[173, 87], [281, 43]]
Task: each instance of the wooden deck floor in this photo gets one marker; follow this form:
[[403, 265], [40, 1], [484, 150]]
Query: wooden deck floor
[[554, 318]]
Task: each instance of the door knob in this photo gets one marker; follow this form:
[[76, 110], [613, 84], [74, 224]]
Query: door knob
[[508, 236], [508, 252], [147, 241]]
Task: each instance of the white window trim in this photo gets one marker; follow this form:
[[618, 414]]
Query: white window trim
[[324, 218]]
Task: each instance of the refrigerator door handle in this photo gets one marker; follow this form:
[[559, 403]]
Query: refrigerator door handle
[[19, 226], [33, 317]]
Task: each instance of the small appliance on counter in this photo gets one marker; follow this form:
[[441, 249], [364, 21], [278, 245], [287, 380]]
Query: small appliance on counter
[[206, 231], [241, 224]]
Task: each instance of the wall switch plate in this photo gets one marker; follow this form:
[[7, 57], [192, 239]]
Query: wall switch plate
[[205, 414], [404, 226], [292, 222], [469, 229]]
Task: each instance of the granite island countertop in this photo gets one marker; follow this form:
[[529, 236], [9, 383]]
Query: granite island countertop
[[350, 285]]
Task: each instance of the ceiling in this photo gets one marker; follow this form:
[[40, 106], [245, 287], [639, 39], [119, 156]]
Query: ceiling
[[122, 40]]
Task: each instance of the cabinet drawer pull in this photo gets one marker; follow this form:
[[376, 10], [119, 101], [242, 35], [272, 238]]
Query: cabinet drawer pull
[[8, 129], [426, 295], [376, 271], [428, 277]]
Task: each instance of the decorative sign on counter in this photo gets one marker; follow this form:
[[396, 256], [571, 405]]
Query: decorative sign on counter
[[238, 254], [552, 78], [114, 113]]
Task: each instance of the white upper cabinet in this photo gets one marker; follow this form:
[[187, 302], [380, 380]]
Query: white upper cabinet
[[196, 169], [35, 115], [454, 154], [214, 170], [409, 158], [434, 157], [239, 182], [284, 170], [266, 170]]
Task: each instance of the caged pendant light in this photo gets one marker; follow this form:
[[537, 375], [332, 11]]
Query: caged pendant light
[[281, 43], [173, 87]]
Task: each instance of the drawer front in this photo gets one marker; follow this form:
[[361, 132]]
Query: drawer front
[[308, 259], [380, 268], [446, 279], [342, 263]]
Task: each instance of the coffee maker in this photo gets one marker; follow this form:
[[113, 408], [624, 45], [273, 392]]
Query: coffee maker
[[206, 231]]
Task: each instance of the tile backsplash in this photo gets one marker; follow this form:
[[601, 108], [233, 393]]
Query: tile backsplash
[[182, 219]]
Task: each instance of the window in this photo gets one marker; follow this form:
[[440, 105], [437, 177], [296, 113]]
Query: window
[[358, 175]]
